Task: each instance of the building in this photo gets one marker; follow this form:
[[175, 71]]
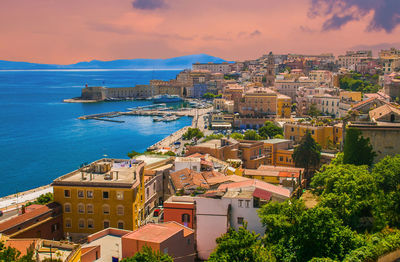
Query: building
[[169, 238], [223, 67], [290, 87], [383, 136], [270, 70], [222, 149], [252, 153], [259, 102], [351, 58], [386, 113], [279, 152], [328, 136], [37, 221], [321, 76], [105, 193], [392, 88]]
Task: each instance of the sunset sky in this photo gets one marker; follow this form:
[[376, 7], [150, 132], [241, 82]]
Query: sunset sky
[[63, 32]]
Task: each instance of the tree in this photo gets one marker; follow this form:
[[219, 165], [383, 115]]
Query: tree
[[132, 154], [209, 96], [294, 233], [42, 199], [237, 136], [350, 192], [313, 111], [12, 254], [357, 149], [184, 92], [148, 255], [169, 153], [213, 136], [240, 245], [192, 133], [270, 130], [251, 135], [308, 153]]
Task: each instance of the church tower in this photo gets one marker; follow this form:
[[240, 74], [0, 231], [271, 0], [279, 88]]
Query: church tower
[[270, 75]]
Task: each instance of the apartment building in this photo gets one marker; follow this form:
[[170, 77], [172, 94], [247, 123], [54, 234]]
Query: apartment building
[[223, 67], [351, 58], [289, 87], [105, 193]]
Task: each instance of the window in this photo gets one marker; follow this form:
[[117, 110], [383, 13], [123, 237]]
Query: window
[[312, 132], [281, 158], [247, 203], [240, 203], [106, 209], [120, 225], [106, 224], [120, 210], [166, 250], [120, 195], [81, 208], [67, 208], [106, 194], [89, 208], [147, 192], [67, 193], [154, 186], [89, 194], [55, 227], [81, 223], [81, 194], [185, 218], [68, 223], [240, 220], [90, 223]]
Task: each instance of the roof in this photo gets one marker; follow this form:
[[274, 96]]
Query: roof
[[22, 245], [369, 100], [226, 179], [276, 190], [280, 168], [158, 233], [382, 111], [275, 141], [187, 178], [13, 222]]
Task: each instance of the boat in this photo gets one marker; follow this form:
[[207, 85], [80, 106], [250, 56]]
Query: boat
[[158, 119], [167, 99]]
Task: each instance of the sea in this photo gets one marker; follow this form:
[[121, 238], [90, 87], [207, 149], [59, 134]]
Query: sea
[[41, 137]]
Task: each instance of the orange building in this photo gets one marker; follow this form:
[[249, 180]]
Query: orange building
[[182, 212]]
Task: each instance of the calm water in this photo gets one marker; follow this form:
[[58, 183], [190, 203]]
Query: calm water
[[41, 137]]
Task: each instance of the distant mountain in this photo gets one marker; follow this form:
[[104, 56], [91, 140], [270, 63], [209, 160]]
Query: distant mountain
[[181, 62]]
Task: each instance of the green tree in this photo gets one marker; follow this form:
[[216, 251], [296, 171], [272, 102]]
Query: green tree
[[192, 133], [295, 233], [313, 111], [270, 130], [240, 245], [132, 154], [184, 92], [251, 135], [357, 149], [169, 153], [308, 153], [213, 136], [148, 255], [209, 96], [42, 199], [350, 192], [237, 136]]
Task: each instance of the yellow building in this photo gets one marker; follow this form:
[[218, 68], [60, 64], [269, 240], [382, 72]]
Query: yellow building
[[326, 136], [351, 95], [284, 109], [105, 193], [279, 152]]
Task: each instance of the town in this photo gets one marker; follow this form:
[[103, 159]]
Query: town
[[289, 158]]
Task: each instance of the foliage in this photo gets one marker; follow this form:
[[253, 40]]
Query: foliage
[[279, 136], [213, 136], [376, 245], [237, 136], [169, 153], [313, 111], [211, 96], [251, 135], [350, 192], [42, 199], [132, 154], [295, 233], [387, 175], [357, 149], [148, 255], [358, 82], [12, 254], [308, 153], [270, 130], [241, 245], [192, 133]]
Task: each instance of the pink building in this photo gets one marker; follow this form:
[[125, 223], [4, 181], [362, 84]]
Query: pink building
[[169, 238]]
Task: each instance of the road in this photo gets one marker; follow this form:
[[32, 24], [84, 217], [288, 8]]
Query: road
[[11, 202], [8, 214]]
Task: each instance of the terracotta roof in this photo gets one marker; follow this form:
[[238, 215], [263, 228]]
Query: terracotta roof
[[158, 233], [280, 168], [258, 184], [382, 111], [262, 194], [226, 179], [27, 216], [359, 104], [187, 178], [22, 245]]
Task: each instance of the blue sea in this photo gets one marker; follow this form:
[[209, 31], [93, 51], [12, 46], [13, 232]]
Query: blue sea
[[41, 137]]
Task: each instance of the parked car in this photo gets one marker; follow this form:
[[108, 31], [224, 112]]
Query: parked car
[[1, 213]]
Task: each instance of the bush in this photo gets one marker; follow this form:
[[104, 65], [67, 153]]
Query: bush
[[192, 133]]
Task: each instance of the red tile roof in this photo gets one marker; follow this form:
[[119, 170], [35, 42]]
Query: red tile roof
[[158, 233], [187, 178], [22, 245]]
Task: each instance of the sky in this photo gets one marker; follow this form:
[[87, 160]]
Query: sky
[[65, 32]]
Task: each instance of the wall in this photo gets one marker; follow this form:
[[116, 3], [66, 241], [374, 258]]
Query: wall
[[179, 247], [174, 211], [90, 254]]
